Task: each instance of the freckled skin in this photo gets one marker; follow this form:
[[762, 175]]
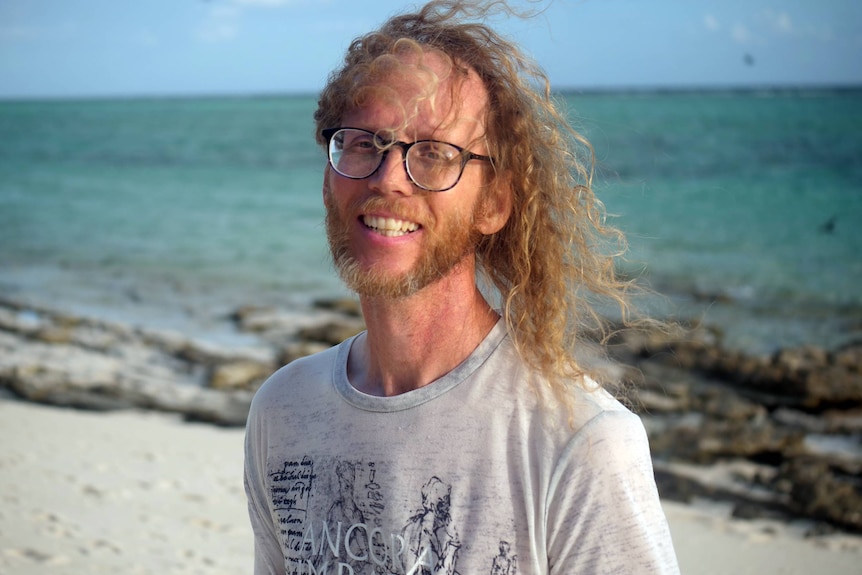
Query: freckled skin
[[418, 290]]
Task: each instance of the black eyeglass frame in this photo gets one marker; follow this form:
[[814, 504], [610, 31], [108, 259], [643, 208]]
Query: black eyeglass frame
[[466, 155]]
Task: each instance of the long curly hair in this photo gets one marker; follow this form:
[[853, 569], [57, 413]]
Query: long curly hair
[[552, 264]]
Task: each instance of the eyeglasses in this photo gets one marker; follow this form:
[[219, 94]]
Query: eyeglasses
[[431, 165]]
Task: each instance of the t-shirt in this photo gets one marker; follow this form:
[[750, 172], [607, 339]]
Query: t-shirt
[[480, 472]]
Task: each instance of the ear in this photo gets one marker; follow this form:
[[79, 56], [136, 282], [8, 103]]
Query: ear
[[496, 207]]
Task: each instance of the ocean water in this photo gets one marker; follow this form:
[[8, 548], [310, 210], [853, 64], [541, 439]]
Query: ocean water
[[743, 208]]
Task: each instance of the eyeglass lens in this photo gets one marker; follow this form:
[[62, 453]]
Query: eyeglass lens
[[430, 164]]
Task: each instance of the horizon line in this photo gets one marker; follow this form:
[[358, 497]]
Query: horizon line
[[566, 90]]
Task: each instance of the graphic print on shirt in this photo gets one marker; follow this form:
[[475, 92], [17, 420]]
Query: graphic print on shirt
[[330, 519], [431, 539], [290, 491], [345, 511], [505, 563]]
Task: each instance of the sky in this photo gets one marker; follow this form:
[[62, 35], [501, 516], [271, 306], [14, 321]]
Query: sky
[[108, 48]]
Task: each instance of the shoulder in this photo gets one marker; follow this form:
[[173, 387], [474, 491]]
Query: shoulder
[[604, 439], [582, 404], [612, 439], [587, 415], [296, 379], [602, 495]]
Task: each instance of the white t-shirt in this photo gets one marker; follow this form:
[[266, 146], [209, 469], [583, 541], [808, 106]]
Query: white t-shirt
[[480, 472]]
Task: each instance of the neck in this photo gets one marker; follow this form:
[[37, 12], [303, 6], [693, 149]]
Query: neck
[[415, 340]]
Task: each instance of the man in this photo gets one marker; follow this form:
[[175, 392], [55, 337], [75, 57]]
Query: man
[[470, 431]]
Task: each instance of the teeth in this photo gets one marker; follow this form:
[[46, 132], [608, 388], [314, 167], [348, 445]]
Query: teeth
[[390, 227]]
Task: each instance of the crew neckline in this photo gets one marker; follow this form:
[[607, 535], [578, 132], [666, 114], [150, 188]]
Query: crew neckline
[[418, 396]]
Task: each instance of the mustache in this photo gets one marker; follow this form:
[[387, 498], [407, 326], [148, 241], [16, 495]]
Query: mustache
[[395, 208]]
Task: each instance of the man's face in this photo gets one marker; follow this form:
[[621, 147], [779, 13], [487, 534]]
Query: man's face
[[388, 237]]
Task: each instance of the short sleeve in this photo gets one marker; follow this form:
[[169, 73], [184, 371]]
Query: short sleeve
[[268, 556], [604, 515]]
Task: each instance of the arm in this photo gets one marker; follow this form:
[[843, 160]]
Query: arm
[[268, 556], [604, 515]]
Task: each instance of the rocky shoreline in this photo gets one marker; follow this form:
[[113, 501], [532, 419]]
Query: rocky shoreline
[[780, 436]]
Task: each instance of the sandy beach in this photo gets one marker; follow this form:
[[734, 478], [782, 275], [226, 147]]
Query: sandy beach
[[139, 492]]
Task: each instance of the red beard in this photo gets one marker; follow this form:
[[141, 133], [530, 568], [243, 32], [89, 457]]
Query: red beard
[[447, 244]]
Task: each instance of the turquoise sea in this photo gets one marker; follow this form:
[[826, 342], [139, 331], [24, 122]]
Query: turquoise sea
[[743, 207]]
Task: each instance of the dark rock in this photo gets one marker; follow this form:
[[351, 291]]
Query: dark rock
[[817, 491], [222, 408], [808, 377], [801, 360], [300, 349], [799, 420], [652, 402], [720, 439], [850, 358], [843, 421], [723, 403], [821, 529], [77, 362], [346, 306], [840, 452], [331, 333], [727, 481], [776, 435], [54, 334], [756, 510], [241, 314], [242, 374]]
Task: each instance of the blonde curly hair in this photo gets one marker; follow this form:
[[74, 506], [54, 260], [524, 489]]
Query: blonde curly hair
[[554, 259]]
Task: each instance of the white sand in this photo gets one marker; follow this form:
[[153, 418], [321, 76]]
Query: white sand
[[144, 493], [119, 493]]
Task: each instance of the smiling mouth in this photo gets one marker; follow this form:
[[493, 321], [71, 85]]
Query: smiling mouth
[[389, 227]]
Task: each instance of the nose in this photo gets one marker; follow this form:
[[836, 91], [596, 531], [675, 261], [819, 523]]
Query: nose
[[391, 176]]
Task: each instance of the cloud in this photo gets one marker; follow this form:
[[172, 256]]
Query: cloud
[[264, 3], [779, 21], [741, 34], [782, 24], [771, 26], [711, 22], [220, 24], [146, 38]]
